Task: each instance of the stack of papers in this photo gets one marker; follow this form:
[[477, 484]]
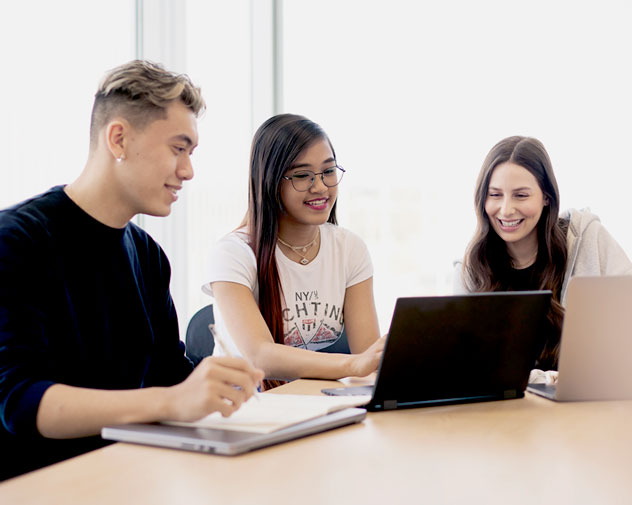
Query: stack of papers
[[271, 412]]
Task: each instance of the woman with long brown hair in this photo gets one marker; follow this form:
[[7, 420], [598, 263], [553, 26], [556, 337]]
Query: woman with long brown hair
[[523, 243], [288, 279]]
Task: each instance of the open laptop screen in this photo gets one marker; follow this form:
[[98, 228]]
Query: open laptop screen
[[463, 348]]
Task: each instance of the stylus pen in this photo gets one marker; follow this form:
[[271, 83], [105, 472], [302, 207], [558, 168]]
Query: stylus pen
[[220, 340]]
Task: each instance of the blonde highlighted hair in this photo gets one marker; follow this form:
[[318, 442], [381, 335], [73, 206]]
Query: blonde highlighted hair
[[140, 91]]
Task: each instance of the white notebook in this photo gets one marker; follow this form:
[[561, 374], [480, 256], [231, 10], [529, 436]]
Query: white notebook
[[272, 412]]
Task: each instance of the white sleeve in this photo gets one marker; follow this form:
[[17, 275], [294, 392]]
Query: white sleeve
[[360, 267], [231, 260]]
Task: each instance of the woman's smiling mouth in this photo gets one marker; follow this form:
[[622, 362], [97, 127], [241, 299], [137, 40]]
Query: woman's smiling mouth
[[509, 225], [317, 204]]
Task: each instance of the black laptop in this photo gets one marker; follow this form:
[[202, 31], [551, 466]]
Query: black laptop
[[458, 349]]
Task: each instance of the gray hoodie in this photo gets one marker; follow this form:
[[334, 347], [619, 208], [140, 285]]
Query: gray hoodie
[[591, 251]]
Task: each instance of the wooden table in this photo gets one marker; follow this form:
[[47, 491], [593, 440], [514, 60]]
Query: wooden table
[[526, 451]]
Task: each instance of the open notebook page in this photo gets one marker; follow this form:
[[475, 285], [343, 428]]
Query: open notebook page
[[272, 412]]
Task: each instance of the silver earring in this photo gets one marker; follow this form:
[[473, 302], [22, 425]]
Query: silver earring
[[120, 158]]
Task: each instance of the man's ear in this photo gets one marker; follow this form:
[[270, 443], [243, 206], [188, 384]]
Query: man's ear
[[116, 133]]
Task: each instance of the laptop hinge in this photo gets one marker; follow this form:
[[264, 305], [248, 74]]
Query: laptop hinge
[[390, 404]]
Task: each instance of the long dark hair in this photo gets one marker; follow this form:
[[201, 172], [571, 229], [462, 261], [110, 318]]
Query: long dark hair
[[487, 260], [275, 147]]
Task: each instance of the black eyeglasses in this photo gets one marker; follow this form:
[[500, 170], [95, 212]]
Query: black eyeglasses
[[304, 179]]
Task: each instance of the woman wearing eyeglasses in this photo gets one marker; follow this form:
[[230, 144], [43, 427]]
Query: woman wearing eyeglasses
[[288, 279]]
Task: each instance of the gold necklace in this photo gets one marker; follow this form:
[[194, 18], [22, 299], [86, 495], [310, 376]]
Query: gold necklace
[[301, 250], [526, 264]]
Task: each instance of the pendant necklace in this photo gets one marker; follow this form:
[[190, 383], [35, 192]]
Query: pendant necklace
[[301, 250]]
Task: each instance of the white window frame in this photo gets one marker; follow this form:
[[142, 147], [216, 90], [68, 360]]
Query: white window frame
[[160, 29]]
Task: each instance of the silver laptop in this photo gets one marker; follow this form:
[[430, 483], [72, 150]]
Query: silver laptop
[[596, 346], [225, 442]]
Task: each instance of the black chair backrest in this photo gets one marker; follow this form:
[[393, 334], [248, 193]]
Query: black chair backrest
[[199, 341]]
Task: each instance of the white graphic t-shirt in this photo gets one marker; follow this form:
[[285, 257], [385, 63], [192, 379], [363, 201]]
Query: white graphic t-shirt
[[313, 294]]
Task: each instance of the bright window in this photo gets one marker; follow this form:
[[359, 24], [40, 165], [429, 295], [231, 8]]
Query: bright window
[[54, 55], [414, 94], [218, 60]]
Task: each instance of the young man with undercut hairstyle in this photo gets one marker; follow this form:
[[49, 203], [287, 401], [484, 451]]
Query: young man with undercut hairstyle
[[88, 330]]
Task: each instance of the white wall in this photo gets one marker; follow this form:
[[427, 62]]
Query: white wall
[[414, 94]]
